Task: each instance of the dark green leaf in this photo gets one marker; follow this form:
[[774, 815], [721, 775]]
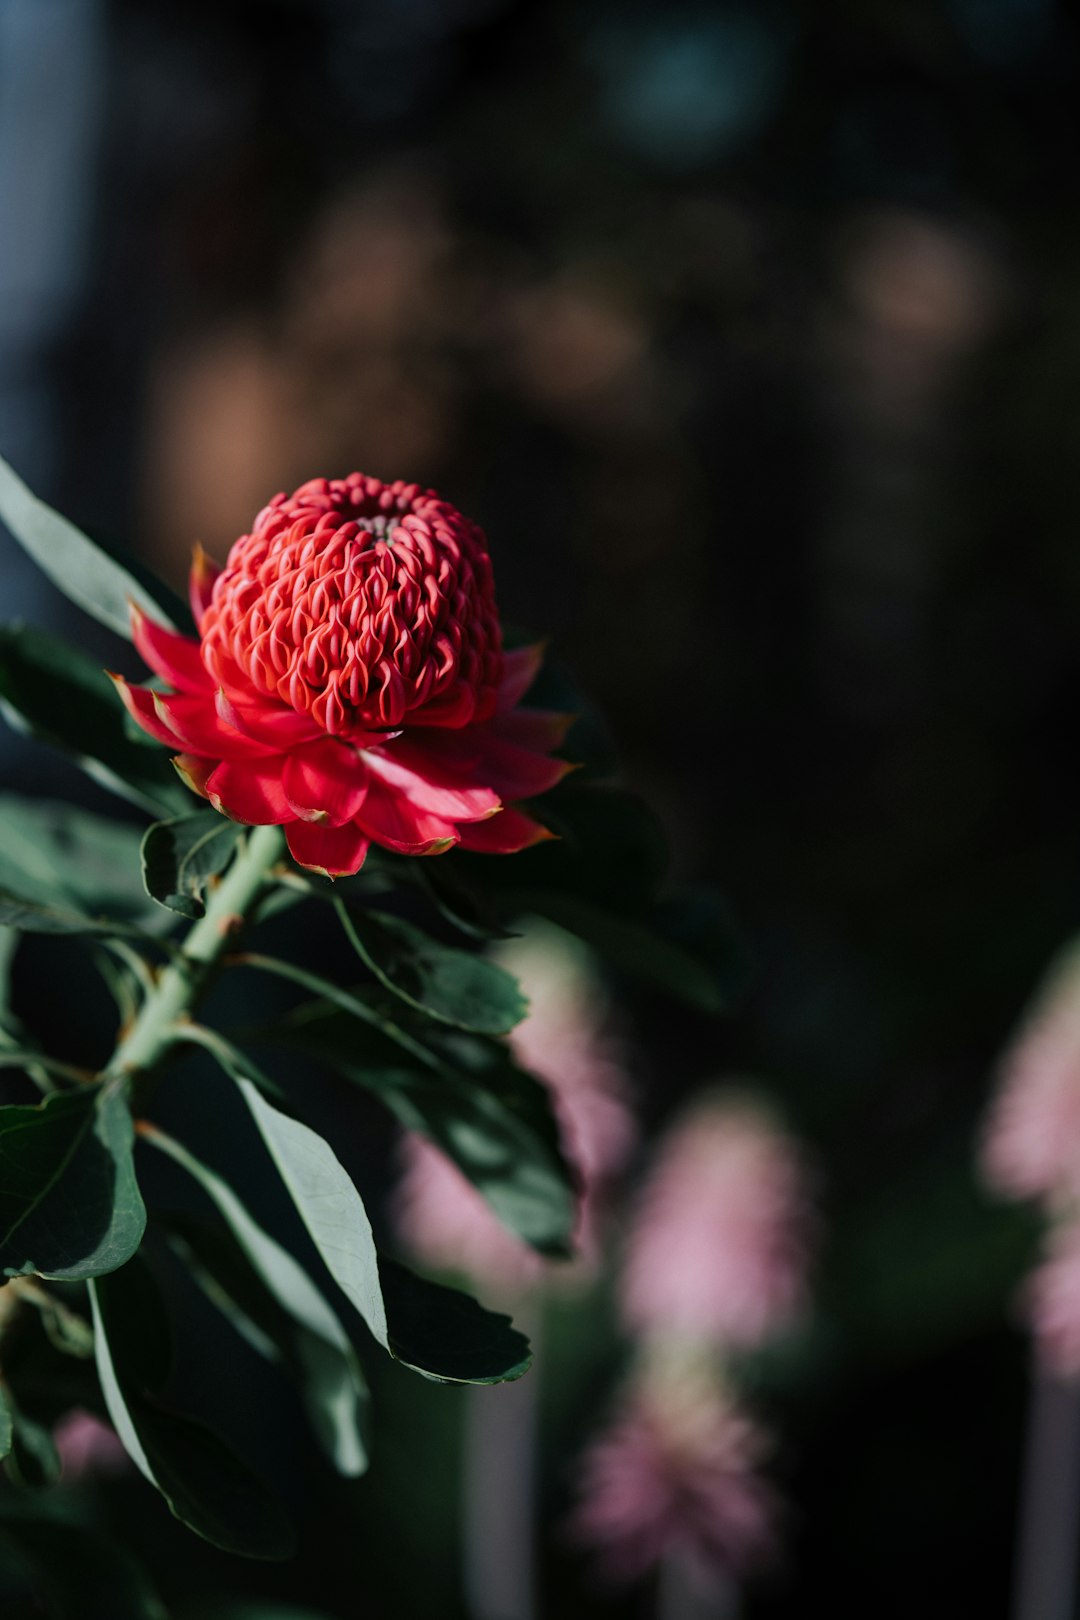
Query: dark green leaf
[[453, 986], [204, 1483], [687, 946], [462, 1092], [6, 1425], [445, 1336], [87, 574], [58, 694], [31, 916], [33, 1460], [78, 1574], [179, 858], [69, 1203], [273, 1302]]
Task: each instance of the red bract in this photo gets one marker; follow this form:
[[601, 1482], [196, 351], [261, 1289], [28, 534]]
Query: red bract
[[350, 683]]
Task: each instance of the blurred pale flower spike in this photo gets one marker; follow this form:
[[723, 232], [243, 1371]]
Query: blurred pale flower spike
[[676, 1475], [1032, 1144], [719, 1244]]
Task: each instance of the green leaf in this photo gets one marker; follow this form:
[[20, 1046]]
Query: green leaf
[[54, 851], [32, 916], [84, 571], [7, 1427], [205, 1484], [444, 1335], [464, 1093], [276, 1306], [181, 856], [452, 986], [56, 693], [33, 1460], [70, 1206], [688, 946], [78, 1574]]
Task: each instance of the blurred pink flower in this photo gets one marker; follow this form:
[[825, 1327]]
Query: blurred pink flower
[[564, 1041], [87, 1446], [1051, 1302], [676, 1474], [719, 1245], [1032, 1143]]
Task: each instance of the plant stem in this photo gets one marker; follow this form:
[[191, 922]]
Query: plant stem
[[1045, 1582], [184, 981], [500, 1494]]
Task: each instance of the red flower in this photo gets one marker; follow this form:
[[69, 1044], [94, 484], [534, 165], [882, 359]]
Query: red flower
[[350, 683]]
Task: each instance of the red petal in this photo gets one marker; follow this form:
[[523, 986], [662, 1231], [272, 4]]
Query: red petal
[[251, 791], [270, 723], [195, 772], [325, 781], [194, 720], [541, 729], [505, 834], [139, 703], [175, 658], [428, 785], [517, 773], [333, 851], [521, 666], [391, 820], [204, 571]]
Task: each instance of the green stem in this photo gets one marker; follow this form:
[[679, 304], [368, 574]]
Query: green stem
[[182, 984]]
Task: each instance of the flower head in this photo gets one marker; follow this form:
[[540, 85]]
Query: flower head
[[719, 1245], [676, 1473], [86, 1446], [350, 684]]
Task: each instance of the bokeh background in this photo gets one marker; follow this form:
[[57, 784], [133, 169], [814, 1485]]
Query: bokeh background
[[751, 333]]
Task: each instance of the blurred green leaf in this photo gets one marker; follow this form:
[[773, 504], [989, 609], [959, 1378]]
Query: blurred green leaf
[[205, 1484], [70, 1206], [56, 693], [52, 850], [442, 1334], [262, 1288], [88, 575], [454, 986], [463, 1092], [78, 1574], [180, 856], [33, 1460]]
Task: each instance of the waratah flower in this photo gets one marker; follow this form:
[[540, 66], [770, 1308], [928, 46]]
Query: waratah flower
[[718, 1248], [676, 1475], [1032, 1143], [350, 684], [565, 1041]]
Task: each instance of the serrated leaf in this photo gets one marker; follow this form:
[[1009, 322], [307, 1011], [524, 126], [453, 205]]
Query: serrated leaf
[[463, 1092], [275, 1304], [453, 986], [444, 1335], [56, 693], [79, 1574], [205, 1484], [70, 1206], [180, 857], [97, 581]]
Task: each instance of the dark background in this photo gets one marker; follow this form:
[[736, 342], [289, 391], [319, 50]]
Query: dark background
[[751, 333]]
